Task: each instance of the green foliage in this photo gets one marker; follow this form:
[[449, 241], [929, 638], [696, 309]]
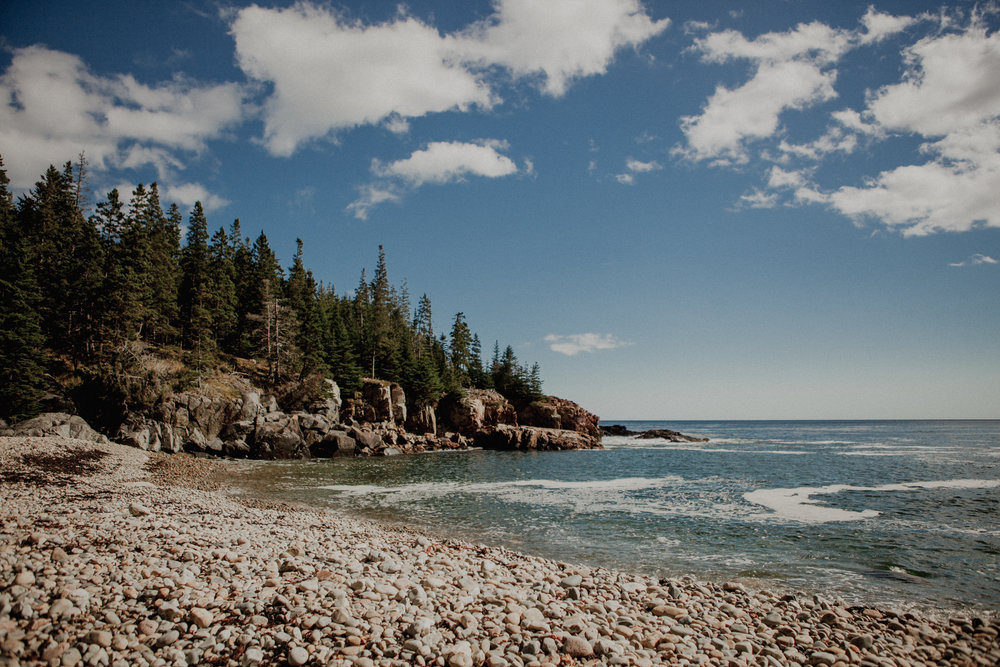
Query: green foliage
[[22, 362], [99, 292]]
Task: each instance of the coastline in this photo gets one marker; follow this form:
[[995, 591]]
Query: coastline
[[111, 555]]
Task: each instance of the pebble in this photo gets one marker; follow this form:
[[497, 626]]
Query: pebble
[[95, 577], [298, 656]]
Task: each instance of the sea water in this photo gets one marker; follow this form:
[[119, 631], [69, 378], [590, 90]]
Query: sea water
[[897, 513]]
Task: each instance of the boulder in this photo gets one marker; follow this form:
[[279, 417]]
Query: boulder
[[366, 438], [476, 410], [56, 423], [278, 437], [559, 413], [507, 437], [334, 443]]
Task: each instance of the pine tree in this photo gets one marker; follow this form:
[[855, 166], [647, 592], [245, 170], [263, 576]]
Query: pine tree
[[22, 357]]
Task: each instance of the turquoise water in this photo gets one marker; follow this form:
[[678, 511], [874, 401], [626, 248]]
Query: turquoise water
[[905, 513]]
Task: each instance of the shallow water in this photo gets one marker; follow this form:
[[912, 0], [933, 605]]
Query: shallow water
[[879, 512]]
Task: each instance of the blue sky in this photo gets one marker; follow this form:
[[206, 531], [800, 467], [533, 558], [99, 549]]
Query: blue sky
[[680, 210]]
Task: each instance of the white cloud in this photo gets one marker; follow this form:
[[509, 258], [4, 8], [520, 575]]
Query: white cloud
[[372, 195], [879, 26], [951, 82], [443, 162], [558, 40], [813, 41], [186, 194], [950, 96], [639, 167], [440, 162], [758, 198], [636, 167], [975, 260], [732, 118], [330, 73], [780, 178], [586, 342], [55, 107]]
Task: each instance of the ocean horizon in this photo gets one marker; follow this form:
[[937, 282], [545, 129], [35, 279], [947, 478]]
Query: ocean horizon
[[898, 513]]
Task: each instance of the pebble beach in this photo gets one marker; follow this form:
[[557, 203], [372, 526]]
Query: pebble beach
[[113, 556]]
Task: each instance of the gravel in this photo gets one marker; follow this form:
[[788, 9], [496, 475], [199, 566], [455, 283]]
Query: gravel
[[128, 559]]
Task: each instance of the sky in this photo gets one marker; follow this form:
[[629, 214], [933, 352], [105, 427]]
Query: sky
[[785, 209]]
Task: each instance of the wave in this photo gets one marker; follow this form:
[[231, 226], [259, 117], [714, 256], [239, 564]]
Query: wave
[[797, 504]]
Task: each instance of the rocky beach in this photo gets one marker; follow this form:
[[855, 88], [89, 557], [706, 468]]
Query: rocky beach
[[110, 555]]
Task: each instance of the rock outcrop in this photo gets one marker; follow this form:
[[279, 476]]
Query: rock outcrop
[[507, 437], [375, 422], [559, 413], [55, 423], [475, 410]]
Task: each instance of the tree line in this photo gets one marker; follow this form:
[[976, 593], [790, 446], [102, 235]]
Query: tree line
[[83, 292]]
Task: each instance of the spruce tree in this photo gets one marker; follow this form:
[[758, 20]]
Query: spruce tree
[[163, 281], [222, 287], [196, 316], [459, 351], [22, 357]]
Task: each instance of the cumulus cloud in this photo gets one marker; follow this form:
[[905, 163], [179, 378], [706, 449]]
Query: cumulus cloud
[[573, 344], [55, 107], [558, 40], [949, 96], [440, 162], [975, 260], [791, 71], [331, 73], [732, 118], [879, 25]]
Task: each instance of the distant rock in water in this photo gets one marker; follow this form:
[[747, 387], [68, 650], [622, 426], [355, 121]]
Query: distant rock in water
[[670, 436], [665, 434], [617, 429]]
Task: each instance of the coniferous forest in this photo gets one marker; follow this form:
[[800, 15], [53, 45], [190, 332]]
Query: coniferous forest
[[97, 298]]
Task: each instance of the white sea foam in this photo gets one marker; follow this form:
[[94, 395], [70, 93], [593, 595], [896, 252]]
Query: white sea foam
[[797, 504]]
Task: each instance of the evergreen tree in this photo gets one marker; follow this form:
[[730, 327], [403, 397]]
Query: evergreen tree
[[22, 357], [380, 313], [64, 249], [163, 247], [242, 341], [196, 316], [459, 351], [222, 287]]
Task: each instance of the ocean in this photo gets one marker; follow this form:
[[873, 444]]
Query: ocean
[[904, 514]]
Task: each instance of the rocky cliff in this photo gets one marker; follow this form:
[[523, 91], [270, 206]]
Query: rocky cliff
[[378, 420]]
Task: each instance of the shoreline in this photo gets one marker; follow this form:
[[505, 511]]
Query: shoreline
[[110, 555]]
